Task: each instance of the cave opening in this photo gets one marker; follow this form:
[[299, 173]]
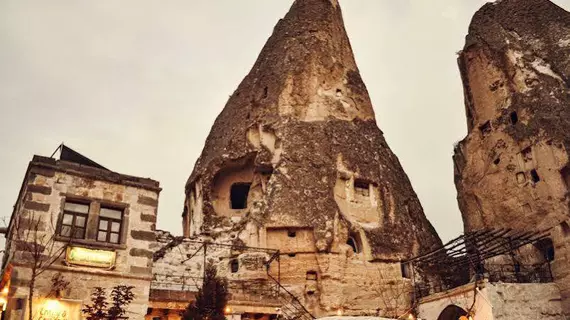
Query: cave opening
[[353, 243], [534, 176], [238, 195], [514, 117]]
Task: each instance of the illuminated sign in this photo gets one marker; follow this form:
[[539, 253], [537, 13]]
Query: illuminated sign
[[90, 257], [50, 309]]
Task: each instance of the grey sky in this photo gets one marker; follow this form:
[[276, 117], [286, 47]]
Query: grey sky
[[136, 84]]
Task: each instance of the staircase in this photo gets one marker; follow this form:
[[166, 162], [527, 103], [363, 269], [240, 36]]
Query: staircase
[[291, 307]]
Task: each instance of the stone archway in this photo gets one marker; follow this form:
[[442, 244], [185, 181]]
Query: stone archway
[[451, 312]]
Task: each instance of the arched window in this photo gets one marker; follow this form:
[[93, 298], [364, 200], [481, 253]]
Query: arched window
[[354, 243]]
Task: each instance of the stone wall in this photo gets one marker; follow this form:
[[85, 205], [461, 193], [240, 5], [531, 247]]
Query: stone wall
[[496, 301], [47, 186]]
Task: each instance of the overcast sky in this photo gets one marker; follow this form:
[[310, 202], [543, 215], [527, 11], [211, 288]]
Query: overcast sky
[[136, 84]]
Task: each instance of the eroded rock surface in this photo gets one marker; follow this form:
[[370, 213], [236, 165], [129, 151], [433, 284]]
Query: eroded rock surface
[[512, 169], [296, 162]]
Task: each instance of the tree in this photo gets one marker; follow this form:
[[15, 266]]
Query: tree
[[98, 309], [33, 238], [394, 295], [122, 296], [211, 298]]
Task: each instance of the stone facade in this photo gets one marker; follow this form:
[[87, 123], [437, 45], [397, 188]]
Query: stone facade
[[296, 162], [496, 301], [49, 187], [512, 169]]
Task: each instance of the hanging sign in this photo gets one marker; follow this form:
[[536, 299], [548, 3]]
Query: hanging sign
[[90, 257]]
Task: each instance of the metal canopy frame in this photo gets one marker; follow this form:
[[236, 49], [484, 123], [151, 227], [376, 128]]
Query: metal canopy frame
[[455, 263], [475, 247]]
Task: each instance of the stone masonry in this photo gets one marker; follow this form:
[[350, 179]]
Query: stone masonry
[[512, 169], [48, 185]]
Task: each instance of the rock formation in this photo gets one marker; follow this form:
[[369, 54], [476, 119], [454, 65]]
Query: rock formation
[[296, 162], [512, 169]]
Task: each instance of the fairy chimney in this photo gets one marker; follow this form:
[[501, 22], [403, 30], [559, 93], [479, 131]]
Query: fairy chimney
[[296, 162], [512, 169]]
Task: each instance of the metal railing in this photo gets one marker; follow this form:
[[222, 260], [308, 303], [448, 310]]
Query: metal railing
[[508, 273], [265, 290]]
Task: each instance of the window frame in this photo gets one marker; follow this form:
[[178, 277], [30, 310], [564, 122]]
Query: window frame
[[92, 224], [74, 215], [109, 228]]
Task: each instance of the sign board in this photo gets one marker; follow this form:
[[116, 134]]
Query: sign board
[[49, 309], [90, 257]]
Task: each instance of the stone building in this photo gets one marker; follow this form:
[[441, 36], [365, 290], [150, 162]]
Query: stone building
[[91, 226], [296, 162], [512, 169]]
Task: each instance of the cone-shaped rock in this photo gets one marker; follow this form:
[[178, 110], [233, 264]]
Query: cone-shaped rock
[[512, 169], [296, 162]]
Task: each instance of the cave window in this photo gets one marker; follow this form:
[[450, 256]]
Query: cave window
[[514, 117], [485, 128], [546, 248], [234, 265], [311, 275], [238, 195], [362, 188], [291, 233], [497, 161], [405, 268], [292, 255], [534, 176], [353, 244]]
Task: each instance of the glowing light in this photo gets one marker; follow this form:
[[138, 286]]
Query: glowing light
[[339, 312], [52, 305], [90, 257], [5, 290], [411, 317], [228, 310]]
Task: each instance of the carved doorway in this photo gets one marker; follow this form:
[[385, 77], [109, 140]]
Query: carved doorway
[[451, 312]]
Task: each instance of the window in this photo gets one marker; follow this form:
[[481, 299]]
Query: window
[[110, 221], [362, 188], [291, 233], [405, 268], [311, 275], [546, 247], [238, 195], [514, 117], [534, 176], [234, 265], [353, 244], [74, 220]]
